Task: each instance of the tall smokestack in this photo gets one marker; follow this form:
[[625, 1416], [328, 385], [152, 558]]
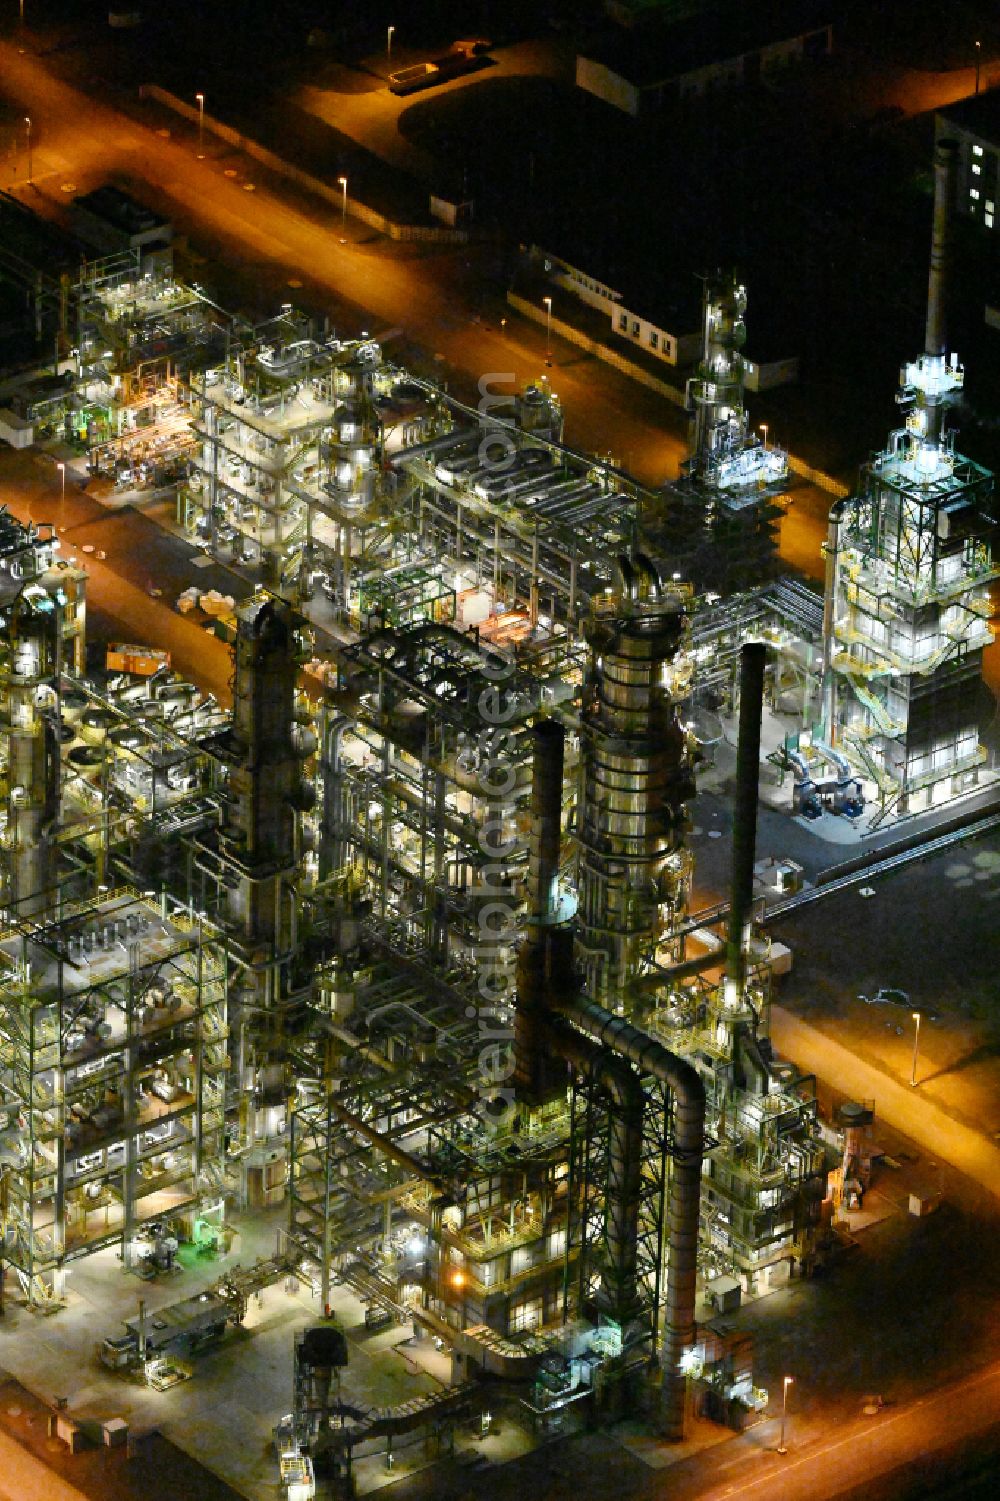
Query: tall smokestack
[[548, 739], [545, 969], [944, 191], [752, 660]]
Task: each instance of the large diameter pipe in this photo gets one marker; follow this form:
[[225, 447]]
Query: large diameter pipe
[[546, 975], [548, 749], [661, 979], [619, 1294], [688, 1093], [545, 957], [384, 1144], [752, 662], [837, 516], [935, 336]]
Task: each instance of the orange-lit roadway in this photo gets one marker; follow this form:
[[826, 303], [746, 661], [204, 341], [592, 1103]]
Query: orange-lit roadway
[[23, 1476], [419, 289], [83, 141], [903, 1107], [840, 1459], [80, 140], [119, 585]]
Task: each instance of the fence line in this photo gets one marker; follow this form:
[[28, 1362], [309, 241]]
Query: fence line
[[316, 185]]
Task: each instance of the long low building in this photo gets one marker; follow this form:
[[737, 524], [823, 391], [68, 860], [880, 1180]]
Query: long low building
[[645, 67]]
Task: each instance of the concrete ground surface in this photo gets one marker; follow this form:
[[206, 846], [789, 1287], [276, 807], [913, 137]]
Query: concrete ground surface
[[963, 1146], [912, 1304], [909, 1310], [842, 946], [224, 1415], [369, 282], [930, 930]]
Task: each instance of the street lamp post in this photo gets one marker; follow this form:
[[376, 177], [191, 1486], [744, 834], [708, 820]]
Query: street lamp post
[[27, 121], [201, 123], [62, 471], [548, 329], [763, 428], [784, 1409], [916, 1050], [979, 58], [343, 211], [388, 44]]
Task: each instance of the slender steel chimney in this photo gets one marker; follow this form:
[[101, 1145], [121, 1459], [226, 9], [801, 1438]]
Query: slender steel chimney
[[935, 337], [553, 1022], [752, 661], [545, 958], [546, 819]]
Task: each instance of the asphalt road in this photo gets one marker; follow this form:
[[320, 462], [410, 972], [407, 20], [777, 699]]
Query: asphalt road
[[902, 1106], [22, 1475], [860, 1454], [83, 141], [871, 1456], [423, 289], [433, 294], [140, 557]]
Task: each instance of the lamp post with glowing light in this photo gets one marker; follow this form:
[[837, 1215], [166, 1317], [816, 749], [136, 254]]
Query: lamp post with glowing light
[[979, 58], [916, 1050], [27, 122], [62, 471], [784, 1409], [342, 181], [763, 428], [548, 329], [388, 43], [200, 98]]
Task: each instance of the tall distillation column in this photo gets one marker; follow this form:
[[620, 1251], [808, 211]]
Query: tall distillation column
[[909, 566], [42, 613], [351, 453], [554, 1025], [635, 778], [727, 456], [259, 849], [716, 394], [718, 522], [753, 658], [27, 728]]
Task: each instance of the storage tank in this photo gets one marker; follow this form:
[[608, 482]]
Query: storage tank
[[95, 724], [87, 761]]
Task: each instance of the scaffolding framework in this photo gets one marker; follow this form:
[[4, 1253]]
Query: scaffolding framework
[[909, 573], [113, 1056]]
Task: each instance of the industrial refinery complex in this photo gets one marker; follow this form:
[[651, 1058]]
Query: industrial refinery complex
[[379, 999]]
